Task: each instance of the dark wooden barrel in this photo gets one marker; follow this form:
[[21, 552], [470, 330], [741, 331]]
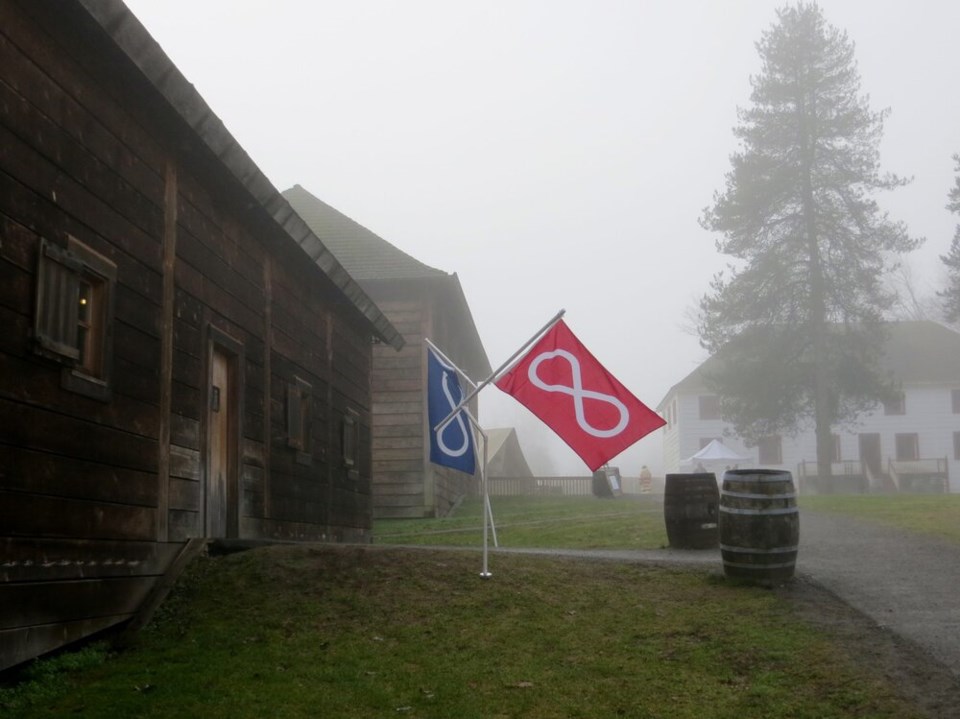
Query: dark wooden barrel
[[759, 525], [690, 504]]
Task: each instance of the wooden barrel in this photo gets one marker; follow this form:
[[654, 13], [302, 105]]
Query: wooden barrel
[[690, 510], [759, 525]]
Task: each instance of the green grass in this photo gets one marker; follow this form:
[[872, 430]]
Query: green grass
[[936, 515], [637, 522], [540, 522], [333, 631]]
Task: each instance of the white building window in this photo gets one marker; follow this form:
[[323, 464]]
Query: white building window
[[770, 450], [896, 405], [908, 447], [709, 406]]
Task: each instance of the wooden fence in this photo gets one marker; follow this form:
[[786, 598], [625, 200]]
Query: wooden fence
[[580, 486]]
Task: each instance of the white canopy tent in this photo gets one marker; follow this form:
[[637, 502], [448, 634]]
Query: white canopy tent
[[716, 453]]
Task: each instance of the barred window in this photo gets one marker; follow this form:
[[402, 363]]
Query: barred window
[[73, 320]]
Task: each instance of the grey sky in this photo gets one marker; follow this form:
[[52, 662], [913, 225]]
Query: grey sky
[[554, 154]]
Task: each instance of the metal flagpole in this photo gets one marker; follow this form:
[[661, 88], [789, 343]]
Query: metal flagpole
[[450, 362], [446, 420], [487, 516], [487, 511], [485, 496], [485, 500], [493, 527]]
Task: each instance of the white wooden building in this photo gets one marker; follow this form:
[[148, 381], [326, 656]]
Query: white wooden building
[[909, 445]]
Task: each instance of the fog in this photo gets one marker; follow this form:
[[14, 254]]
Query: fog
[[552, 154]]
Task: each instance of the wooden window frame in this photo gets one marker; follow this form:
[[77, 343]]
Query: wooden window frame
[[300, 419], [350, 439], [74, 315]]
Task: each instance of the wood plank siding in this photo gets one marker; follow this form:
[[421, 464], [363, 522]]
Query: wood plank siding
[[421, 302], [171, 416]]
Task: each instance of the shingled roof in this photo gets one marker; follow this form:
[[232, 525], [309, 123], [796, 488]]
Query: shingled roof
[[201, 123], [365, 255], [917, 352]]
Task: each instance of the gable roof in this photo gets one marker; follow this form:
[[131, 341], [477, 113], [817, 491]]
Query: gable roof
[[375, 261], [917, 352], [505, 457], [366, 256], [127, 33]]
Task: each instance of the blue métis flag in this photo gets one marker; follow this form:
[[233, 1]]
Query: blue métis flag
[[451, 446]]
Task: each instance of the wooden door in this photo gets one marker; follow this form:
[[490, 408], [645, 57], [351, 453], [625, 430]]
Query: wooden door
[[871, 454], [222, 479]]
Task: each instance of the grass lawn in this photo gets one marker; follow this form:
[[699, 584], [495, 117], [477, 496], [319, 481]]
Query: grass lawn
[[637, 522], [540, 522], [376, 631], [936, 515]]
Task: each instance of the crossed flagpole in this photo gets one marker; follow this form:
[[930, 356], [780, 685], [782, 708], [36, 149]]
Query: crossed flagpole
[[438, 430], [463, 406], [549, 389]]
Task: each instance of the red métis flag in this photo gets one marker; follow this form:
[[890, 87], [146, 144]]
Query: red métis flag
[[566, 387]]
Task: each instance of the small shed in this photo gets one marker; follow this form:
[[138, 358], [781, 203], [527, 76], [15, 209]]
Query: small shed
[[505, 456]]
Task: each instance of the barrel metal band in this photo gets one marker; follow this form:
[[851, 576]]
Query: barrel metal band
[[754, 550], [757, 479], [751, 495], [769, 512], [761, 567]]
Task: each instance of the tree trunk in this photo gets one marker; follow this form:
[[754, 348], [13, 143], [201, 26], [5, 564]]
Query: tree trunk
[[817, 317]]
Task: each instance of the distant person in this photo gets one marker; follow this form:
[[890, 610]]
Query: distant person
[[700, 469], [646, 480]]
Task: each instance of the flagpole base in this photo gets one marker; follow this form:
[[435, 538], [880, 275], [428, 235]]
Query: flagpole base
[[486, 575]]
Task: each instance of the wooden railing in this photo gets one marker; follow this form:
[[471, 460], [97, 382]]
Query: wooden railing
[[920, 475], [530, 486], [853, 476]]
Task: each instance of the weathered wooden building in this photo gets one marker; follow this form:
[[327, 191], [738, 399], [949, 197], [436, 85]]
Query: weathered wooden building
[[180, 356], [422, 302]]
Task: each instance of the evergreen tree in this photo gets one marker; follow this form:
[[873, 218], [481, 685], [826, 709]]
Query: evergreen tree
[[796, 319], [951, 296]]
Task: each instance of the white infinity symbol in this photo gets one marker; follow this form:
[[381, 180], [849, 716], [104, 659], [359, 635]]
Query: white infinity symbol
[[460, 451], [579, 394]]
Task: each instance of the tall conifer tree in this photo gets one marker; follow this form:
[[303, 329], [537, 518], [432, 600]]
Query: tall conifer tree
[[796, 318], [951, 295]]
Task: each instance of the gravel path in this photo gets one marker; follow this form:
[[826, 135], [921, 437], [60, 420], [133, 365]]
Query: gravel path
[[907, 584]]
